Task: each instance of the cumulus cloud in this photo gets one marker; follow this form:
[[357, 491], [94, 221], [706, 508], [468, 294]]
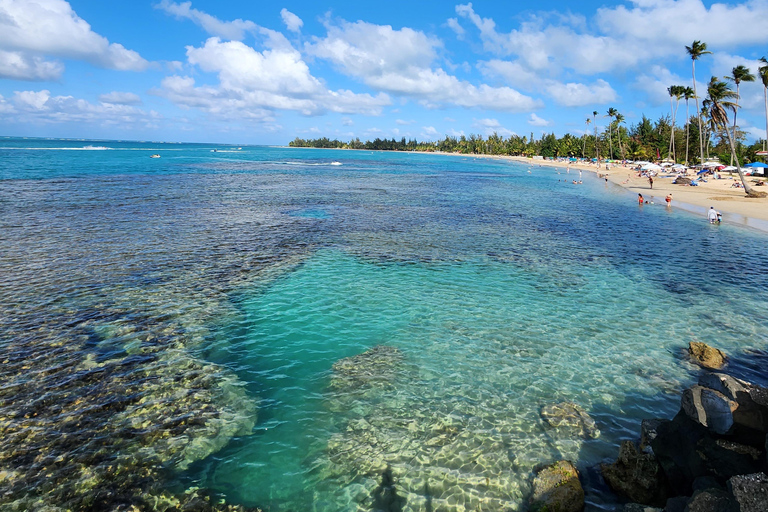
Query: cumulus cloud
[[30, 32], [42, 107], [491, 126], [579, 95], [233, 30], [535, 120], [454, 25], [21, 66], [292, 22], [120, 98], [254, 84], [400, 62]]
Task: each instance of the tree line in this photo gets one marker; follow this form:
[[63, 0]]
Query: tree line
[[646, 140]]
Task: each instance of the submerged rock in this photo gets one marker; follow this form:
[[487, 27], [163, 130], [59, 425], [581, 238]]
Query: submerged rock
[[706, 356], [571, 416], [637, 476], [557, 488], [376, 366]]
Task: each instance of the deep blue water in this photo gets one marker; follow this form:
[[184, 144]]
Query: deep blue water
[[504, 288]]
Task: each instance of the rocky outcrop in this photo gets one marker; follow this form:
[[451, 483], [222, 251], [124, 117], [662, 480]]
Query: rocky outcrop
[[556, 488], [706, 356], [709, 408], [636, 507], [750, 491], [636, 476], [570, 416]]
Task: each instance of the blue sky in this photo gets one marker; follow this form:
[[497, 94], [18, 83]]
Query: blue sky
[[263, 73]]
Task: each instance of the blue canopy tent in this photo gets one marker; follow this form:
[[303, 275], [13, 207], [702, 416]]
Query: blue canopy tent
[[757, 164]]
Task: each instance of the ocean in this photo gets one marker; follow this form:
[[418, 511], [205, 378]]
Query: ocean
[[300, 329]]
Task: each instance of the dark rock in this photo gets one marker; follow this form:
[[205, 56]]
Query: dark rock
[[571, 416], [675, 448], [637, 476], [707, 482], [676, 504], [636, 507], [709, 408], [557, 488], [648, 433], [750, 491], [682, 181], [706, 356], [712, 500], [751, 400], [724, 459]]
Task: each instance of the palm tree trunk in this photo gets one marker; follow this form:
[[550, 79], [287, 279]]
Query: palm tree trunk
[[765, 93], [688, 124], [698, 110], [672, 132], [747, 187], [735, 113]]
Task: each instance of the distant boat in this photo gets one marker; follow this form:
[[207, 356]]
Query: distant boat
[[154, 156]]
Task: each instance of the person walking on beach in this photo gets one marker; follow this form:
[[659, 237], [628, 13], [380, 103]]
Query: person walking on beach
[[712, 215], [650, 180], [640, 199], [668, 199]]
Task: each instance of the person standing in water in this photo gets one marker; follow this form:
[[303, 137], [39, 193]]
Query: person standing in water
[[712, 215], [640, 199], [668, 199]]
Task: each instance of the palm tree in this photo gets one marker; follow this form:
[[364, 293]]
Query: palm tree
[[611, 113], [696, 50], [719, 96], [584, 147], [688, 94], [763, 71], [597, 151], [675, 92], [619, 120], [739, 74]]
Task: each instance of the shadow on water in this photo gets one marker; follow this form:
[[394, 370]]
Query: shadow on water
[[385, 497]]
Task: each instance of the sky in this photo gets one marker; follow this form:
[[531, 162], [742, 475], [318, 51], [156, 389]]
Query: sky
[[252, 72]]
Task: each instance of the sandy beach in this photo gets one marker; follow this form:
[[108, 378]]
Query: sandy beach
[[731, 202]]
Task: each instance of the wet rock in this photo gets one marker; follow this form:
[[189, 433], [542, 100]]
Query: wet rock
[[750, 491], [676, 504], [557, 488], [377, 366], [637, 476], [675, 448], [712, 500], [648, 433], [636, 507], [706, 356], [571, 416], [751, 400], [709, 408], [725, 458]]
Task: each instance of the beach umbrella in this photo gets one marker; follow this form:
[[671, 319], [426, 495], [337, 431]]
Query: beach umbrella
[[757, 164], [730, 168], [710, 164], [678, 166], [650, 167]]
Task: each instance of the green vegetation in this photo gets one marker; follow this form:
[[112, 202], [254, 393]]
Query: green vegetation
[[645, 140]]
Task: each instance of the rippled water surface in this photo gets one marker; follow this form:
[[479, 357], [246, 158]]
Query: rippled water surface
[[295, 334]]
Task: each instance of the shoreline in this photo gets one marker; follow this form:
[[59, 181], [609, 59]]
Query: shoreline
[[736, 207]]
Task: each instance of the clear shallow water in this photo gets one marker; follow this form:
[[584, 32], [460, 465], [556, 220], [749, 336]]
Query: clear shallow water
[[503, 292]]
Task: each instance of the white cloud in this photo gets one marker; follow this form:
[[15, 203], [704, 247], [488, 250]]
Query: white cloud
[[579, 95], [428, 132], [42, 107], [491, 126], [400, 62], [453, 24], [403, 122], [31, 31], [292, 22], [535, 120], [347, 121], [233, 30], [253, 84], [656, 82], [21, 66], [120, 98]]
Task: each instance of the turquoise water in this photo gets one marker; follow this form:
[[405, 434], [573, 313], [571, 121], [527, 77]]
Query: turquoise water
[[500, 289]]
